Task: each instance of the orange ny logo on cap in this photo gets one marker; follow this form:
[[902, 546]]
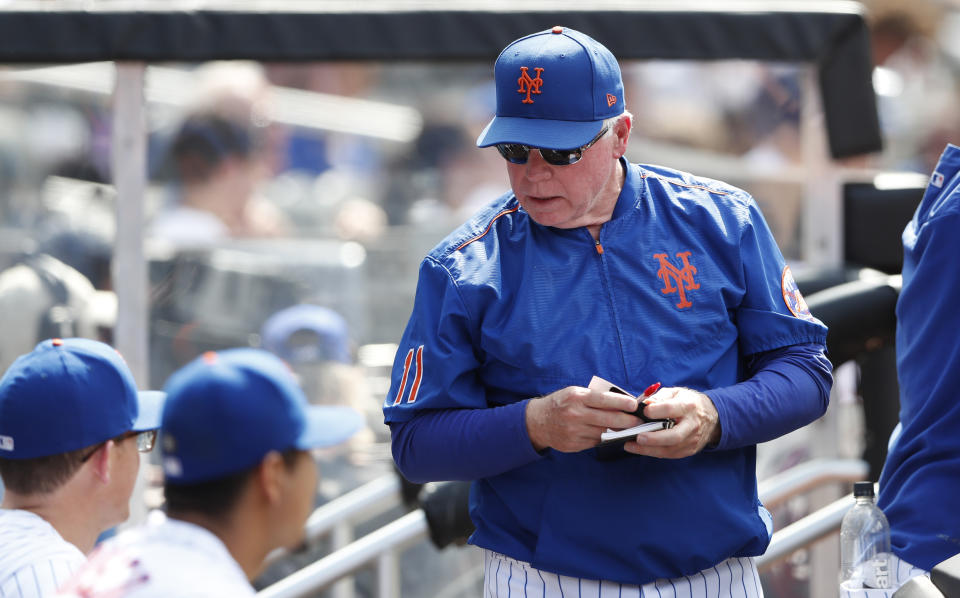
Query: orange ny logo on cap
[[528, 85]]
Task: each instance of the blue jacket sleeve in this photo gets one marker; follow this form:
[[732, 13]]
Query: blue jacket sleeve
[[462, 444], [772, 313], [788, 388], [442, 425], [436, 365]]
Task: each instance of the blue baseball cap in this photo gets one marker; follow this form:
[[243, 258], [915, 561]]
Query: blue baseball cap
[[226, 410], [68, 394], [328, 338], [554, 90]]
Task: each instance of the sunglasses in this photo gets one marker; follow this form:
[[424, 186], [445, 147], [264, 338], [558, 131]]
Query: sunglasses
[[145, 442], [517, 153]]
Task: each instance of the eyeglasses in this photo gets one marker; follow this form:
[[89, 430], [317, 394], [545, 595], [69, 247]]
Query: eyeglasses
[[145, 442], [517, 153]]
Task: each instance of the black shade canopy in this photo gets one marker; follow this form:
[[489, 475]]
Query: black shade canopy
[[831, 35]]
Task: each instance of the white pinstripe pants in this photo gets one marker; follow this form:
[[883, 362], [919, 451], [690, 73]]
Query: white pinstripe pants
[[505, 577]]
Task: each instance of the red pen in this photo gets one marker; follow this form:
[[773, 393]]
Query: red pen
[[668, 423]]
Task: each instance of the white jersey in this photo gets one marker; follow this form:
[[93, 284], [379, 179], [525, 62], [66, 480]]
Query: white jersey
[[164, 557], [34, 559]]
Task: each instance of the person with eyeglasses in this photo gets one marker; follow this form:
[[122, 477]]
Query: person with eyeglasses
[[240, 481], [72, 425], [636, 274]]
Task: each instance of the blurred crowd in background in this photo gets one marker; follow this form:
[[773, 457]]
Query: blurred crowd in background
[[290, 204]]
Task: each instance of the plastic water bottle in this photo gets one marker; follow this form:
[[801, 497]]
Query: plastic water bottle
[[864, 543]]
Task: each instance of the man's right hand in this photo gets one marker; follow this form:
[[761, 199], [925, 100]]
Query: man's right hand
[[573, 418]]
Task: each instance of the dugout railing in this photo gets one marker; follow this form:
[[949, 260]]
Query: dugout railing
[[382, 548]]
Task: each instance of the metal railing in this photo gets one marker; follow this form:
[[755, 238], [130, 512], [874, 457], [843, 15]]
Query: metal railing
[[384, 545], [820, 523], [824, 521], [808, 475], [339, 516]]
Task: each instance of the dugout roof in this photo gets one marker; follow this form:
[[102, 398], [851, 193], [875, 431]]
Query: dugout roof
[[833, 36]]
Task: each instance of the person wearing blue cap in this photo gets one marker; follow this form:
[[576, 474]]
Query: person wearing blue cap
[[71, 424], [239, 481], [305, 332], [637, 274]]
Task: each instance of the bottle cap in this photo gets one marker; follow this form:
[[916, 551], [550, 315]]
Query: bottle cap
[[863, 489]]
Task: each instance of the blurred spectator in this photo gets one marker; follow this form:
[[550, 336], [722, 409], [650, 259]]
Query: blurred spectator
[[88, 253], [217, 170], [219, 156], [772, 120], [443, 180], [359, 219], [307, 333], [916, 84], [316, 342]]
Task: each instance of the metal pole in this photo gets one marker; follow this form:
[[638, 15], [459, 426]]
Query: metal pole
[[342, 536], [388, 575], [128, 162]]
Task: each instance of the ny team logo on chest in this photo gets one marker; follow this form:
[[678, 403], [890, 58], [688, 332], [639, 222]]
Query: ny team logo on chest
[[682, 277]]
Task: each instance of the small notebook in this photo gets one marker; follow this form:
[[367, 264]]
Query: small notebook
[[648, 425]]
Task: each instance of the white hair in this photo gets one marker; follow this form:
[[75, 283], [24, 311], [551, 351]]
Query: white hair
[[613, 119]]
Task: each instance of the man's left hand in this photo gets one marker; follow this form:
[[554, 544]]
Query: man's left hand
[[697, 424]]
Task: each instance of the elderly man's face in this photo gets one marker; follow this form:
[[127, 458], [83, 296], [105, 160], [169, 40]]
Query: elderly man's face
[[580, 194]]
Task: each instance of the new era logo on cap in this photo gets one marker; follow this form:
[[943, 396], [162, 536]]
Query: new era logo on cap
[[6, 443]]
